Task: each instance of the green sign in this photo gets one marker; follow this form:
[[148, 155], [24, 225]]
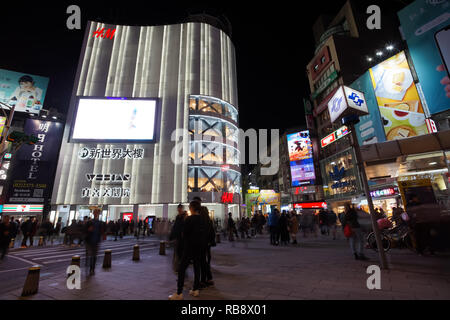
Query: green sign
[[333, 76]]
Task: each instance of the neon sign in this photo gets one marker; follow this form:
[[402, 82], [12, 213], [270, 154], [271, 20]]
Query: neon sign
[[336, 135]]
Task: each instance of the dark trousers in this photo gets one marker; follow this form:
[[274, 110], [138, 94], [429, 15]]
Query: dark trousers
[[25, 238], [3, 250], [206, 274], [91, 255], [189, 255], [274, 235]]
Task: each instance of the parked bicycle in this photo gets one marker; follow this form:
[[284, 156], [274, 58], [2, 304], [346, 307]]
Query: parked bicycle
[[398, 236]]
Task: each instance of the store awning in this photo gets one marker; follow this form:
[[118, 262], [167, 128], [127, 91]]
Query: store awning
[[438, 141]]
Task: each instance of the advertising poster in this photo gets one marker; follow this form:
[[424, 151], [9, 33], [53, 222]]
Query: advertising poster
[[400, 107], [34, 165], [25, 91], [2, 124], [421, 23], [370, 128], [301, 158]]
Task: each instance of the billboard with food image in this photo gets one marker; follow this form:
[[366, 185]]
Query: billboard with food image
[[400, 107]]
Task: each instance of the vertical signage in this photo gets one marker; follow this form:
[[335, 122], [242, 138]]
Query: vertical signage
[[34, 165]]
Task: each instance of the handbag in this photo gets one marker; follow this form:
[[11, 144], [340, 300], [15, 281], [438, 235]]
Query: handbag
[[348, 232]]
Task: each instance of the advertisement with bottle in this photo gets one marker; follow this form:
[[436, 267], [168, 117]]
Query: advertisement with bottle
[[25, 91], [425, 26], [401, 109]]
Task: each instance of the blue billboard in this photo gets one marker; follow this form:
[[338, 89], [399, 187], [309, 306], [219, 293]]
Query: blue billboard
[[301, 158], [421, 22], [370, 127]]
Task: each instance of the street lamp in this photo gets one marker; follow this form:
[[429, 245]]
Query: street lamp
[[350, 121]]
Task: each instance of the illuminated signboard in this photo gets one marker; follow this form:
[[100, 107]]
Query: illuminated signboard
[[115, 120], [339, 133], [346, 101], [22, 208], [310, 205], [301, 158], [384, 192], [128, 216], [227, 197]]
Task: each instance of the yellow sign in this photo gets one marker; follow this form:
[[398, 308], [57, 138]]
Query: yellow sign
[[252, 191]]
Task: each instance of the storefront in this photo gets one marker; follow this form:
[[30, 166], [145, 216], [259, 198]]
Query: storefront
[[265, 201], [21, 212], [341, 182]]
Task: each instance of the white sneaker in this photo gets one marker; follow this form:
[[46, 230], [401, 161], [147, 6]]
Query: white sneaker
[[176, 296], [194, 293]]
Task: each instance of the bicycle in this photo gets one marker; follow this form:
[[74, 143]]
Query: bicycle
[[400, 236]]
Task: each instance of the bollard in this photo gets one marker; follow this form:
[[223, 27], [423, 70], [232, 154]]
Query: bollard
[[217, 237], [32, 282], [41, 241], [107, 259], [136, 252], [11, 243], [162, 248], [75, 261]]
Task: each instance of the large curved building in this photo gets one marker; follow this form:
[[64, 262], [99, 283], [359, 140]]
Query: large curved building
[[187, 74]]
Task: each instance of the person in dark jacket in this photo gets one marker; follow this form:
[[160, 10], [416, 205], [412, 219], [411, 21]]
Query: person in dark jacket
[[94, 233], [176, 235], [26, 229], [6, 229], [357, 238], [283, 228], [209, 241], [273, 227], [194, 231], [231, 228]]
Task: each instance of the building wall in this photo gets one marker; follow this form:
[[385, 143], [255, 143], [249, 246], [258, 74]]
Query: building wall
[[167, 62]]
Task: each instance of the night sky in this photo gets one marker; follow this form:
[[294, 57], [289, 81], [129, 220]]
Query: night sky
[[273, 45]]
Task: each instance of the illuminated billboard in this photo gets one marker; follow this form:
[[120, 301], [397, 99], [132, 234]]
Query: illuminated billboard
[[24, 91], [400, 107], [115, 119], [301, 158]]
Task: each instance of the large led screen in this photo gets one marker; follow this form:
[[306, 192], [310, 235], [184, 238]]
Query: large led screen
[[115, 120], [301, 158]]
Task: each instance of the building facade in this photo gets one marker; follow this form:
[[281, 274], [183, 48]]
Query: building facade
[[190, 69]]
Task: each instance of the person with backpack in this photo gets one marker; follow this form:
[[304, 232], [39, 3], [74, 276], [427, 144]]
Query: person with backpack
[[352, 230]]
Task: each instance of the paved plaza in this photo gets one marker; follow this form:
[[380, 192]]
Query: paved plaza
[[317, 268]]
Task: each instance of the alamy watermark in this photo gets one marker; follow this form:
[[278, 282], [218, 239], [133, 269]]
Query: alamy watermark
[[215, 147], [374, 280], [74, 277]]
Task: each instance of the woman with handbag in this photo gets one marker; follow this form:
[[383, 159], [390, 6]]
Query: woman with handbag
[[352, 231]]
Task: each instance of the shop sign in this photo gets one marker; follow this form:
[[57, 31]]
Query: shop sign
[[227, 197], [253, 191], [23, 208], [333, 76], [384, 192], [310, 205], [431, 125], [346, 101], [336, 135], [107, 153], [111, 177], [337, 175], [116, 192]]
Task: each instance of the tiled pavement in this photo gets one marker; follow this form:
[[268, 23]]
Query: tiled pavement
[[253, 270]]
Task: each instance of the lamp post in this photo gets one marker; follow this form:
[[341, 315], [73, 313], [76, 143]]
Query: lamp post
[[350, 121]]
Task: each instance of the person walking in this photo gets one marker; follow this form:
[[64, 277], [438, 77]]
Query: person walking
[[283, 225], [6, 229], [57, 231], [273, 227], [176, 235], [26, 229], [34, 229], [209, 241], [94, 233], [193, 237], [139, 228], [354, 232], [231, 228], [293, 227], [331, 221]]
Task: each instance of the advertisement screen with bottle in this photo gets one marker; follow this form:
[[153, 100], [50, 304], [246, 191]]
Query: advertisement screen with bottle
[[23, 90]]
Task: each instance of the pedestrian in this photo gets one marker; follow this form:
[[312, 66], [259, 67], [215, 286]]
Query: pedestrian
[[57, 230], [354, 232], [293, 227], [34, 229], [231, 228], [206, 278], [193, 238], [94, 233], [283, 225], [176, 235], [14, 228], [331, 221], [139, 228], [273, 227], [323, 222], [26, 229], [6, 229]]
